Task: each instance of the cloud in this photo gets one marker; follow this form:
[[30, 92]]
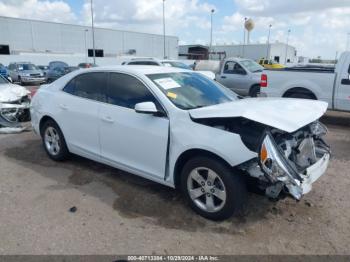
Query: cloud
[[273, 7], [55, 11], [146, 16]]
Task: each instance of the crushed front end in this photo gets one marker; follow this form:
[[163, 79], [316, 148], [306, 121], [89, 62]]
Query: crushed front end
[[13, 113], [291, 162]]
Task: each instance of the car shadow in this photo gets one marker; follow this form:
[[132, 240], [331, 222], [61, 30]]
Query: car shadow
[[135, 197]]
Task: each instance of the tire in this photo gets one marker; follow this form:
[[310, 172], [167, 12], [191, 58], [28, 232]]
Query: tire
[[20, 81], [54, 142], [301, 96], [254, 91], [215, 201]]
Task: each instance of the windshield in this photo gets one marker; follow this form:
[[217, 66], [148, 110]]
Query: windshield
[[176, 64], [22, 67], [252, 66], [3, 80], [191, 90]]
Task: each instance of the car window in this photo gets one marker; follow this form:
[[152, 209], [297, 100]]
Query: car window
[[126, 91], [143, 63], [90, 86], [233, 68], [22, 67], [3, 80], [252, 66]]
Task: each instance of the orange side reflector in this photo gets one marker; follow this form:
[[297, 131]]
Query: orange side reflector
[[263, 154]]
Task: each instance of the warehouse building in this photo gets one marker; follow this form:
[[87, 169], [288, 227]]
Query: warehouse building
[[278, 52], [41, 42]]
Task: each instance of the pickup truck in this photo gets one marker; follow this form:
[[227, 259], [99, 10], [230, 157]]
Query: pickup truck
[[331, 85], [238, 74]]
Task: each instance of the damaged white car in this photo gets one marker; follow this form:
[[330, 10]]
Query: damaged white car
[[14, 107], [181, 129]]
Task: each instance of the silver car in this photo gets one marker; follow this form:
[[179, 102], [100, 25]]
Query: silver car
[[26, 73]]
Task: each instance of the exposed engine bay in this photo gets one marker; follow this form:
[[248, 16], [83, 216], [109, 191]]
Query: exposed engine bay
[[287, 163], [14, 108]]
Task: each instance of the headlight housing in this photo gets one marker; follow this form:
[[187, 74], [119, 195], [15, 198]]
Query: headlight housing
[[318, 129], [274, 164], [26, 75]]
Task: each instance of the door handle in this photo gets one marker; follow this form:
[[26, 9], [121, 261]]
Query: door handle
[[224, 77], [63, 106], [107, 119]]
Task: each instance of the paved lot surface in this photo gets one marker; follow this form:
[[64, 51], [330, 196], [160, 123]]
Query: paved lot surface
[[118, 213]]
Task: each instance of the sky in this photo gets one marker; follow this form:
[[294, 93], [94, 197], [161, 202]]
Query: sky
[[318, 27]]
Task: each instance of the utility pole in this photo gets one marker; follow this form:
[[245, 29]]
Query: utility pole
[[211, 31], [268, 44], [86, 51], [244, 38], [93, 32], [164, 37], [285, 61]]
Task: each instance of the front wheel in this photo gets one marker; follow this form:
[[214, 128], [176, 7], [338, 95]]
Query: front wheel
[[212, 189], [54, 142]]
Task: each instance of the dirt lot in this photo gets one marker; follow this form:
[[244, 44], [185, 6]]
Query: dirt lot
[[118, 213]]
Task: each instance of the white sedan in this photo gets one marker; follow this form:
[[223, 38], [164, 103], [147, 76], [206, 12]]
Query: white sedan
[[181, 129]]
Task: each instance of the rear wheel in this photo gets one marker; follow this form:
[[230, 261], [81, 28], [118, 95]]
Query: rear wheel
[[212, 189], [54, 142], [302, 96], [254, 91]]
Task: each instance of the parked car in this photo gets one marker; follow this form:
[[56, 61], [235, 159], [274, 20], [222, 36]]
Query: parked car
[[166, 62], [241, 75], [183, 130], [86, 65], [4, 72], [26, 73], [269, 64], [44, 69], [310, 82], [14, 106], [58, 69]]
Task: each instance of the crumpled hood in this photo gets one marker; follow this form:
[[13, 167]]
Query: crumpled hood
[[285, 114], [12, 93]]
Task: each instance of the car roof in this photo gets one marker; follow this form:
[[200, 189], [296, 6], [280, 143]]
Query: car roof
[[139, 69]]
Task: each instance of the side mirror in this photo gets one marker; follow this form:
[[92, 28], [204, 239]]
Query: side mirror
[[349, 70], [146, 108]]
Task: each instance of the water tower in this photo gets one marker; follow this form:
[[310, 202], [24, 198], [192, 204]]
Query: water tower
[[249, 26]]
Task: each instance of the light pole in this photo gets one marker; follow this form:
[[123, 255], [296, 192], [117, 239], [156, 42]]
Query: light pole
[[268, 43], [164, 37], [285, 60], [93, 32], [86, 51], [211, 31], [244, 38]]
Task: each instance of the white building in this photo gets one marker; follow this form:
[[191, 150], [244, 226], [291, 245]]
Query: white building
[[278, 52], [41, 42]]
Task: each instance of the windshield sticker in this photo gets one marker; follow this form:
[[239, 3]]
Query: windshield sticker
[[171, 95], [167, 83]]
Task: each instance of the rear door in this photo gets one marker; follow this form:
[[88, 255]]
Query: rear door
[[78, 107], [132, 141], [342, 92], [234, 77]]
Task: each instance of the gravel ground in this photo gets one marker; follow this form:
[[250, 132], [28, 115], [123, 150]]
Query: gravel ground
[[118, 213]]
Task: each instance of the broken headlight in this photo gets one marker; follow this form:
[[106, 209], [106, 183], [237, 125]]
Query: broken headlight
[[9, 114], [273, 163], [318, 129]]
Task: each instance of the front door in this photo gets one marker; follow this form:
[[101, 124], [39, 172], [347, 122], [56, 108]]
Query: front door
[[132, 141], [234, 77], [342, 93]]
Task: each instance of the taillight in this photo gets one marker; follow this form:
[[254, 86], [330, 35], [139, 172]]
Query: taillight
[[263, 82]]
